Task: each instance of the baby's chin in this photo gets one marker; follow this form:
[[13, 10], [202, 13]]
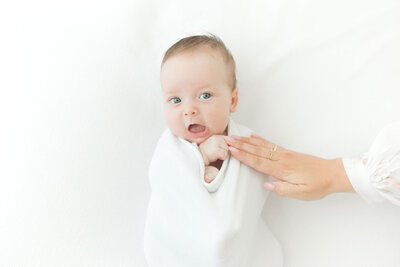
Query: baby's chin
[[199, 140]]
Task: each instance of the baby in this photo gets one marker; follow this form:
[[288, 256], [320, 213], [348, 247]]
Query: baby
[[199, 84], [205, 207]]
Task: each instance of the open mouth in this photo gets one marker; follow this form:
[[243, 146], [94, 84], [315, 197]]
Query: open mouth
[[197, 130]]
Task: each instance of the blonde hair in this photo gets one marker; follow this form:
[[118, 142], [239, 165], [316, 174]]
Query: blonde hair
[[198, 41]]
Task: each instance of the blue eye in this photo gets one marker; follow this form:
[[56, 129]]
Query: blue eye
[[175, 100], [205, 96]]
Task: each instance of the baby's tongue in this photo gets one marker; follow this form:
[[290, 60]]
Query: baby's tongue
[[196, 128]]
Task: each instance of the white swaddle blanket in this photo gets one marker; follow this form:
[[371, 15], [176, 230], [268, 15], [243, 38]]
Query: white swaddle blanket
[[191, 223]]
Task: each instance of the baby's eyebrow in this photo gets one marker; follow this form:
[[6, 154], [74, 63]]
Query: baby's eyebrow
[[169, 93], [172, 91], [169, 96], [204, 86]]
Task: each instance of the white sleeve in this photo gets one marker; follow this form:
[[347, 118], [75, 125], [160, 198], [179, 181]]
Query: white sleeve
[[375, 176]]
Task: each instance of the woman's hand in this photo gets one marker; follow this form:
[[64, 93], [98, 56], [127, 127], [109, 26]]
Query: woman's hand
[[299, 176]]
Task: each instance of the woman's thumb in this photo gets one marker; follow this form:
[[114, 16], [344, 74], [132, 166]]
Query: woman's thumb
[[282, 188]]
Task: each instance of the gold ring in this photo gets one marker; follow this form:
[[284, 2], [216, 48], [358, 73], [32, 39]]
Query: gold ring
[[271, 151]]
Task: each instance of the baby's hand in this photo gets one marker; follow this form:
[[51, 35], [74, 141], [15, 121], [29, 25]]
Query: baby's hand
[[210, 173], [213, 148]]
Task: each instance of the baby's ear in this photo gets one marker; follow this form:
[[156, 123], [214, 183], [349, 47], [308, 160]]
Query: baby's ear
[[234, 100]]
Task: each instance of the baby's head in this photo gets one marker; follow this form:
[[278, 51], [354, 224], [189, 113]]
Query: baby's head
[[199, 87]]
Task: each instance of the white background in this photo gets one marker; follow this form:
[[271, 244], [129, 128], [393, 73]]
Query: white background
[[80, 115]]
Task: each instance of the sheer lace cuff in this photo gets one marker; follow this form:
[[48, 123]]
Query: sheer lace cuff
[[375, 176], [359, 179]]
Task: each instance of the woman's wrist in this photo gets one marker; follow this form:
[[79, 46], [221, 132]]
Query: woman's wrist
[[340, 182]]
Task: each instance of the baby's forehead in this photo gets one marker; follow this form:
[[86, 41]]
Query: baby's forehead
[[200, 63], [201, 60], [189, 88]]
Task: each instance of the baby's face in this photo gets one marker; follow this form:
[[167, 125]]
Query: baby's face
[[197, 95]]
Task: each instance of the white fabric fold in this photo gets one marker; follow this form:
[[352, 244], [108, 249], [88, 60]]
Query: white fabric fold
[[375, 176], [192, 223]]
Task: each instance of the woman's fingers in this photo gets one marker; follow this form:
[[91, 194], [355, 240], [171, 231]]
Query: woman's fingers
[[250, 147], [286, 189], [259, 151], [254, 140], [254, 144], [259, 140], [261, 164]]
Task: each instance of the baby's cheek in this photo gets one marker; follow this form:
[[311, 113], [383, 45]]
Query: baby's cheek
[[177, 128], [221, 124]]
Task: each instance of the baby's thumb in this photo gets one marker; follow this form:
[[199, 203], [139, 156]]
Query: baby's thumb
[[282, 188]]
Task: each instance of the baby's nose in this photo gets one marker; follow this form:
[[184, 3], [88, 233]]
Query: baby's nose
[[191, 110]]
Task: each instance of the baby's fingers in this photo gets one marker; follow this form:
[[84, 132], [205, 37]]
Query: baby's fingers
[[209, 179], [224, 146], [210, 174], [222, 153]]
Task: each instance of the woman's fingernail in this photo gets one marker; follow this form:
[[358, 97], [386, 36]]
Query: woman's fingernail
[[269, 186], [233, 149], [229, 139], [254, 135], [236, 137]]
